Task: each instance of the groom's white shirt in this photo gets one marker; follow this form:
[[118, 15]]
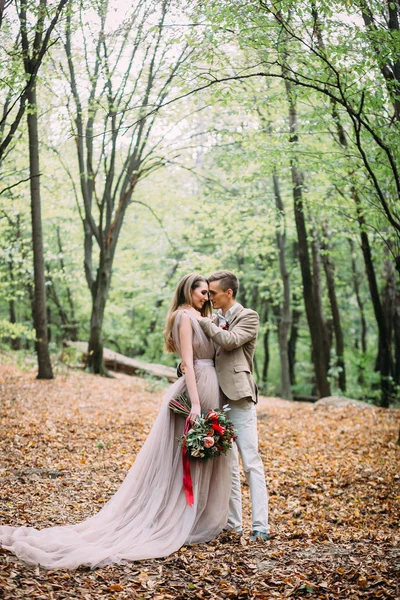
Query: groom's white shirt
[[228, 316]]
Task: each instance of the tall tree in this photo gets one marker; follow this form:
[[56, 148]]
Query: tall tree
[[314, 316], [285, 317], [33, 52], [384, 345], [117, 105], [329, 268]]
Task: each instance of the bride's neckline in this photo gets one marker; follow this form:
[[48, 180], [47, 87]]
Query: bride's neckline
[[189, 309]]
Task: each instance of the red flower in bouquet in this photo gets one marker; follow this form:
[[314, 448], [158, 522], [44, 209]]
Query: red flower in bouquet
[[212, 415], [220, 429]]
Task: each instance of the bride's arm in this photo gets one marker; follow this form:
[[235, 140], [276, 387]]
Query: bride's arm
[[186, 341]]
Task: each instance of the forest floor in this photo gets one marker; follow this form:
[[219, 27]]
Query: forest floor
[[332, 473]]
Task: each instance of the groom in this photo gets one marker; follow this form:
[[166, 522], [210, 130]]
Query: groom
[[235, 334]]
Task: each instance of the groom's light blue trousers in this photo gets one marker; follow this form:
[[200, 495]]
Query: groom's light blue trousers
[[244, 417]]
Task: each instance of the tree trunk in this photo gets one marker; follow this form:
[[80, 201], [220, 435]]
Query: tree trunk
[[314, 323], [384, 341], [69, 328], [108, 175], [342, 139], [360, 303], [265, 346], [388, 306], [396, 328], [72, 328], [100, 290], [14, 341], [337, 326], [285, 314], [294, 334], [317, 289], [296, 314], [40, 313]]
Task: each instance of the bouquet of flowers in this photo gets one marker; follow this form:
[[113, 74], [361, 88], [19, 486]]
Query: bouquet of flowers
[[211, 434]]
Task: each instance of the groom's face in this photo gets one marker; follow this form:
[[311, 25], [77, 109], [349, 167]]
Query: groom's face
[[219, 297]]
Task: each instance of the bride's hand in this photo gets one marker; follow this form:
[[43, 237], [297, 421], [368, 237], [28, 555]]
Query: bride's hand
[[194, 413], [200, 318]]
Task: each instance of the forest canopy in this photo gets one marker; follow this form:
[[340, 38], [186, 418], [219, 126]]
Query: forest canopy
[[145, 139]]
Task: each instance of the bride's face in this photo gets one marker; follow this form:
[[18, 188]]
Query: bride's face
[[200, 296]]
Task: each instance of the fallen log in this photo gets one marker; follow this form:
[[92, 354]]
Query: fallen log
[[304, 398], [123, 364]]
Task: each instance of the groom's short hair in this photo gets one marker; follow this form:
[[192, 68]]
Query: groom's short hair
[[226, 281]]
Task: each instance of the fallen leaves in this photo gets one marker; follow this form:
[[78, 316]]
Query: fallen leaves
[[66, 445]]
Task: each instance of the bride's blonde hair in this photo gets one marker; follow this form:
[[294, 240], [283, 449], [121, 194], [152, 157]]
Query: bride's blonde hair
[[183, 298]]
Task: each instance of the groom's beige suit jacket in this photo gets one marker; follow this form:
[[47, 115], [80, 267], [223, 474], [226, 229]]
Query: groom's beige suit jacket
[[235, 352]]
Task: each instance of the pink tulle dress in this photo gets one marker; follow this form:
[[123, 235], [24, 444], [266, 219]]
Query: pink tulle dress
[[148, 516]]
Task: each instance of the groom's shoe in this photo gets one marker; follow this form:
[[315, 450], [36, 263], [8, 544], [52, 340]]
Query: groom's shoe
[[259, 535]]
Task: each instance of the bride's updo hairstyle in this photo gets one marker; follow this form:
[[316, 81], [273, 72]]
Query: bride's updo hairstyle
[[182, 298]]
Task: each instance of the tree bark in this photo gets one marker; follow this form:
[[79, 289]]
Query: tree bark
[[14, 341], [71, 326], [329, 269], [265, 345], [360, 303], [317, 289], [396, 329], [294, 334], [388, 301], [40, 313], [100, 290], [315, 325], [285, 313], [384, 338]]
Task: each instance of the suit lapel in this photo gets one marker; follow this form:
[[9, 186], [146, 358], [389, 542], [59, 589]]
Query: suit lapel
[[237, 314]]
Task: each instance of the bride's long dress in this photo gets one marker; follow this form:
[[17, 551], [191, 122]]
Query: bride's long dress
[[148, 517]]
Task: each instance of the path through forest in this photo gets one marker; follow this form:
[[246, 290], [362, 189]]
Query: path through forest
[[332, 473]]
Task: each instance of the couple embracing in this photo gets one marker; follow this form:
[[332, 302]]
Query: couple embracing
[[148, 517]]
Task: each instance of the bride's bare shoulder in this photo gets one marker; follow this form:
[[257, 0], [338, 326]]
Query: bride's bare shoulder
[[185, 315], [180, 313]]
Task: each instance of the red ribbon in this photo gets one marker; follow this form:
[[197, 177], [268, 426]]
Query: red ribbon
[[187, 478]]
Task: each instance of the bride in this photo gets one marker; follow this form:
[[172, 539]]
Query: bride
[[149, 517]]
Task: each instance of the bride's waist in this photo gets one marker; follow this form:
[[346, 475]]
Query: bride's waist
[[200, 362]]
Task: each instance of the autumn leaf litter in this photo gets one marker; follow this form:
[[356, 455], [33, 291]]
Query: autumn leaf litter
[[332, 473]]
